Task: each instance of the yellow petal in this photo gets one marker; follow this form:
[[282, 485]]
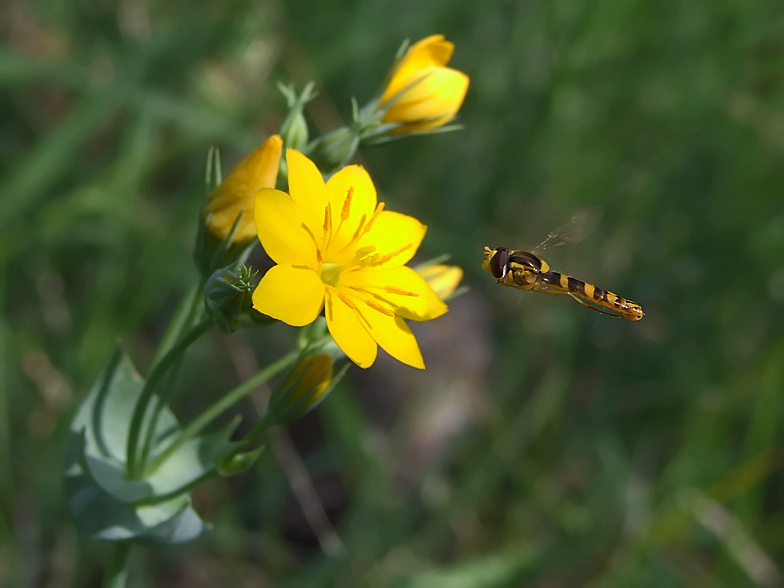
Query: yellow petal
[[429, 52], [348, 212], [306, 186], [396, 238], [440, 94], [237, 192], [292, 294], [348, 331], [279, 226], [394, 337], [401, 289]]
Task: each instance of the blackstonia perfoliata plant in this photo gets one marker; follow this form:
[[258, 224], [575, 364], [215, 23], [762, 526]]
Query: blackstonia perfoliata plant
[[340, 272]]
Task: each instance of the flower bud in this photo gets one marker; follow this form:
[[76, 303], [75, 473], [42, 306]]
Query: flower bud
[[228, 295], [443, 279], [294, 129], [334, 149], [302, 390], [236, 195], [423, 94]]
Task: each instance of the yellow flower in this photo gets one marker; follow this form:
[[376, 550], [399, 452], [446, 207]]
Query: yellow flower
[[302, 389], [436, 92], [443, 279], [237, 192], [337, 250]]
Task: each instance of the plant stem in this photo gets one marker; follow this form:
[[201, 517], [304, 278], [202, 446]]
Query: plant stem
[[146, 395], [187, 316], [181, 318], [117, 572], [219, 407]]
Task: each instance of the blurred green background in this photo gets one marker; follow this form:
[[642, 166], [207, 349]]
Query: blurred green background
[[545, 445]]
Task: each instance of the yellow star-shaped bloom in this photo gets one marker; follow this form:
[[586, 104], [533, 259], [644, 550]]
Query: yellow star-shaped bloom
[[337, 250]]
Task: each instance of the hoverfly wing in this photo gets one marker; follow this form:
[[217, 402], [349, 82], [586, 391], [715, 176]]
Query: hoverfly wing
[[573, 231]]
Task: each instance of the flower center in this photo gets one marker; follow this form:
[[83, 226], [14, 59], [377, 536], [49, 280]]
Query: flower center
[[330, 273]]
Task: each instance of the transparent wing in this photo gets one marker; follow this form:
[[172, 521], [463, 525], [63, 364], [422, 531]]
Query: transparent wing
[[573, 231]]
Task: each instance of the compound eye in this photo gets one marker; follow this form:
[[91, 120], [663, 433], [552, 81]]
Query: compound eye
[[498, 262]]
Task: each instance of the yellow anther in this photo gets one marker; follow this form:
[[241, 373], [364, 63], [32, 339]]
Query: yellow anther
[[346, 300], [379, 308], [378, 210], [393, 290], [347, 204], [327, 219]]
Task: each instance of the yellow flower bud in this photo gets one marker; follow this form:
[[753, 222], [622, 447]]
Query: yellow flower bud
[[302, 390], [237, 193], [424, 93], [443, 279]]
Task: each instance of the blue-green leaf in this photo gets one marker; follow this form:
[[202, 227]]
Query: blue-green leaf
[[99, 515], [104, 503]]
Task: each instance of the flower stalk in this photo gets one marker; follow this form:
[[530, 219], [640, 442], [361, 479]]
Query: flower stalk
[[218, 408], [157, 372]]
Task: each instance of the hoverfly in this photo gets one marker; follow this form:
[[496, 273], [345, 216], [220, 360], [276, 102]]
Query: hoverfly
[[527, 271]]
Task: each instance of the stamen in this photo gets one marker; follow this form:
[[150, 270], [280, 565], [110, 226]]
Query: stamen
[[346, 299], [379, 308], [347, 204], [366, 294], [313, 238], [393, 290], [389, 256], [363, 319], [363, 227], [357, 234], [344, 213], [378, 210], [362, 258], [327, 220]]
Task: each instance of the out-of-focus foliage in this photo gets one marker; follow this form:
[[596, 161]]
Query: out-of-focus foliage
[[545, 445]]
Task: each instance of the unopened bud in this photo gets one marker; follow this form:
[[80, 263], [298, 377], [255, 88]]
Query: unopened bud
[[228, 295], [302, 390], [294, 129], [335, 149]]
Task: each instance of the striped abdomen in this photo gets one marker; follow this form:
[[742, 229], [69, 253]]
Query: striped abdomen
[[626, 308]]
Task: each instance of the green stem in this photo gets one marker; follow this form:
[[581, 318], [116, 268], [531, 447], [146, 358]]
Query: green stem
[[262, 427], [187, 316], [117, 572], [178, 323], [162, 400], [146, 395], [219, 407]]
